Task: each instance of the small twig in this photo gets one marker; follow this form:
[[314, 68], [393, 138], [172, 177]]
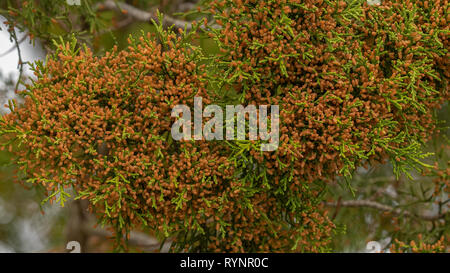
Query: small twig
[[14, 46], [383, 207], [338, 207], [19, 53]]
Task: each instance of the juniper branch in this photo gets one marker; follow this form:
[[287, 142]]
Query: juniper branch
[[141, 15], [383, 207]]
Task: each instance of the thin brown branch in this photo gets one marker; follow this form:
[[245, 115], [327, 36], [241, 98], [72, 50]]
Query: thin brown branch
[[19, 54], [136, 239], [14, 46], [141, 15], [383, 207]]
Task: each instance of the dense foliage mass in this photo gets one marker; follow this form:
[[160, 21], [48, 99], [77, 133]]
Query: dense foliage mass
[[356, 85]]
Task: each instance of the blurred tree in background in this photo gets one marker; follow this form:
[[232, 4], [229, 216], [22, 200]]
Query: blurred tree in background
[[405, 213]]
